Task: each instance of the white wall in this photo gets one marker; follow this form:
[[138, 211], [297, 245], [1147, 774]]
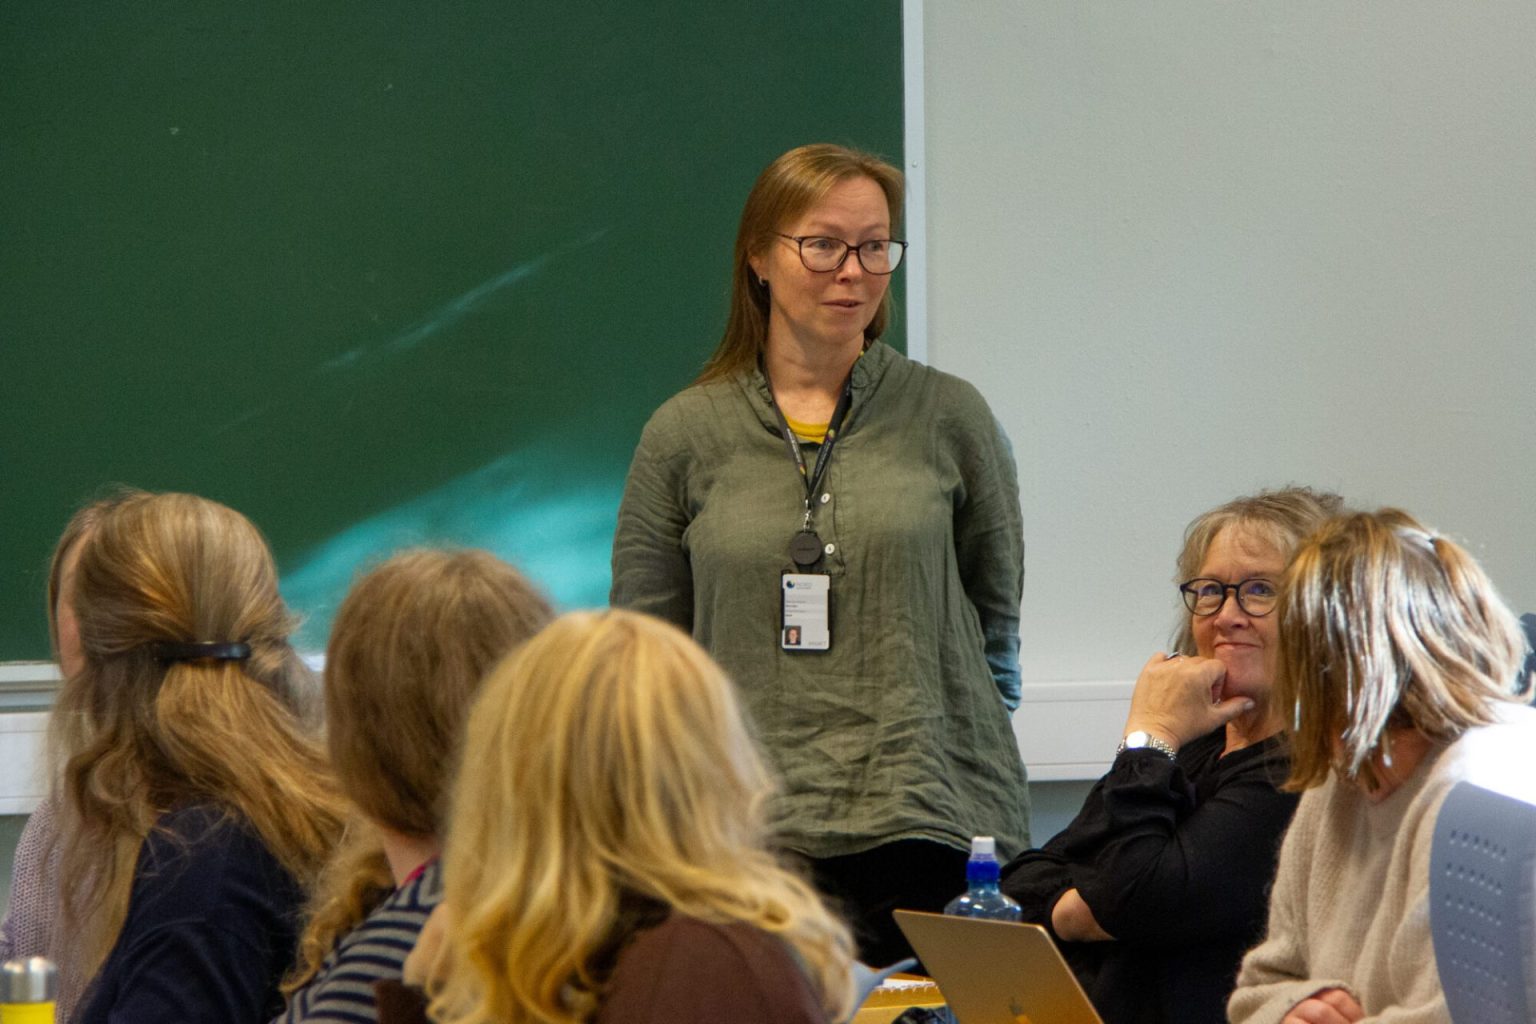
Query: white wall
[[1192, 248]]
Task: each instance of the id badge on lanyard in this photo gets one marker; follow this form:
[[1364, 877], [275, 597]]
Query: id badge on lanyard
[[807, 611], [805, 594]]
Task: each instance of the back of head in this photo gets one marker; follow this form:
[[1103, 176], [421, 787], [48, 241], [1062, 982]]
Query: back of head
[[608, 758], [788, 187], [1282, 517], [1385, 625], [139, 731], [407, 652]]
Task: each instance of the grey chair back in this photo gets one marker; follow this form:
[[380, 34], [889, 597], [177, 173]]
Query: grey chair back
[[1482, 891]]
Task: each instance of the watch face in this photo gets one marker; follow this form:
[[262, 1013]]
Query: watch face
[[1137, 739]]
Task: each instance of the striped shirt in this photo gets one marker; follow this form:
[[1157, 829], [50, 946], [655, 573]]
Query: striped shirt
[[342, 991]]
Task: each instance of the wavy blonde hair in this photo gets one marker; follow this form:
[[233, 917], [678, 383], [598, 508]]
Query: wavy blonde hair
[[135, 736], [409, 647], [791, 185], [1385, 625], [608, 759]]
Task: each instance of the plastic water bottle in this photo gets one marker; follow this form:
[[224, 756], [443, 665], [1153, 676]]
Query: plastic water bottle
[[982, 897], [28, 987]]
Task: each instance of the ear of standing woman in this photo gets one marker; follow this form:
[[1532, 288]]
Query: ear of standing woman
[[840, 528], [1157, 887], [1399, 677], [193, 803], [607, 855]]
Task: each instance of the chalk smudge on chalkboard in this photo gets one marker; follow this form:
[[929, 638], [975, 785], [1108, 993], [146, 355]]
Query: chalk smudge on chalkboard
[[435, 322], [559, 534], [454, 311]]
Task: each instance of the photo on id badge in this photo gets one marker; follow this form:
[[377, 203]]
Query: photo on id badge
[[807, 624]]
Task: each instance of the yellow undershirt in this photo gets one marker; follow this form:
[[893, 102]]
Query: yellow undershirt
[[811, 433]]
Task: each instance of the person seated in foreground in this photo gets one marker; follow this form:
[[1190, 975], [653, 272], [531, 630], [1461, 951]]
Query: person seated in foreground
[[195, 804], [607, 858], [407, 652], [1157, 887], [1399, 676]]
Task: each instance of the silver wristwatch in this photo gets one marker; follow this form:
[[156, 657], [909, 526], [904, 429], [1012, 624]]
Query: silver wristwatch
[[1140, 739]]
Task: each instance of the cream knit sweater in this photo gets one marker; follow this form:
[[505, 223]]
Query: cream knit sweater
[[1350, 905]]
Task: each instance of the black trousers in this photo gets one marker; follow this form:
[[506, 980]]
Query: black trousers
[[909, 874]]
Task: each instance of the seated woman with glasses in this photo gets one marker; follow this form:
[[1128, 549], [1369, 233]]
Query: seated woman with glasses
[[839, 526], [1157, 887], [1400, 676]]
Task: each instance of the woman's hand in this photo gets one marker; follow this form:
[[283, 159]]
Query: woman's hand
[[1071, 919], [1330, 1006], [1177, 699]]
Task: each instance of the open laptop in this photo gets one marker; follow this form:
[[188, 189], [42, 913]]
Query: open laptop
[[997, 972]]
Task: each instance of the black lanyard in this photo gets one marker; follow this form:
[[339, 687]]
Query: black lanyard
[[812, 477]]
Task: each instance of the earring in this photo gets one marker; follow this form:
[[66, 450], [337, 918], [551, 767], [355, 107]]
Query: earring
[[762, 282]]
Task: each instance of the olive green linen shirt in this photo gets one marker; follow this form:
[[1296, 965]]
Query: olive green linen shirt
[[901, 730]]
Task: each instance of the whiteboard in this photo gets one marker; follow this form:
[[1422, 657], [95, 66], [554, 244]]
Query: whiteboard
[[1192, 249]]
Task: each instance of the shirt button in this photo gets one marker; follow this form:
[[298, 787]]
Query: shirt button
[[826, 498], [830, 548]]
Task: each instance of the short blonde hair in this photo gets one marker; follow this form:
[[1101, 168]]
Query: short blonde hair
[[608, 758], [1383, 625], [1281, 517]]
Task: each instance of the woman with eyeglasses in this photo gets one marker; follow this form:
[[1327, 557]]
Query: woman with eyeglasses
[[815, 486], [1400, 676], [1158, 886]]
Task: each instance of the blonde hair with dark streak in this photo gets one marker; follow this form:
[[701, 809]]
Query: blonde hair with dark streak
[[1280, 517], [608, 760], [1384, 625], [136, 736], [408, 649], [785, 190]]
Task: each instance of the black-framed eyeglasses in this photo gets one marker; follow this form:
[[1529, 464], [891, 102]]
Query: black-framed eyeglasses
[[822, 255], [1205, 596]]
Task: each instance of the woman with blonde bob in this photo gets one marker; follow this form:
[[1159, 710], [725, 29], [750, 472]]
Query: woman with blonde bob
[[408, 650], [607, 859], [194, 804], [1399, 677]]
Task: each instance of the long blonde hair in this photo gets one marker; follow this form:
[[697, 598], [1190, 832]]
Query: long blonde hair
[[408, 649], [791, 185], [1385, 625], [608, 759], [136, 736]]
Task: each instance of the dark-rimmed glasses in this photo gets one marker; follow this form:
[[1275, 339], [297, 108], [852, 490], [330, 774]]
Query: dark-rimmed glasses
[[1205, 596], [822, 254]]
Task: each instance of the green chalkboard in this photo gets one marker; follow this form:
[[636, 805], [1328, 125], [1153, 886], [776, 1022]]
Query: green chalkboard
[[385, 272]]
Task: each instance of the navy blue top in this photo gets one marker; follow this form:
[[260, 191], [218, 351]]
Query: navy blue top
[[1175, 860], [211, 928]]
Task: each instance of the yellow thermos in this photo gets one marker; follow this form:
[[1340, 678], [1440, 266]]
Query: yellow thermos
[[28, 987]]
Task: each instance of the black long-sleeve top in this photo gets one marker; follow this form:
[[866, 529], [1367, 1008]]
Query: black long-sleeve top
[[1175, 860]]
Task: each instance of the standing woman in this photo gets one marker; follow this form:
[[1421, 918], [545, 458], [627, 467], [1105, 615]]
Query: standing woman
[[194, 805], [815, 480]]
